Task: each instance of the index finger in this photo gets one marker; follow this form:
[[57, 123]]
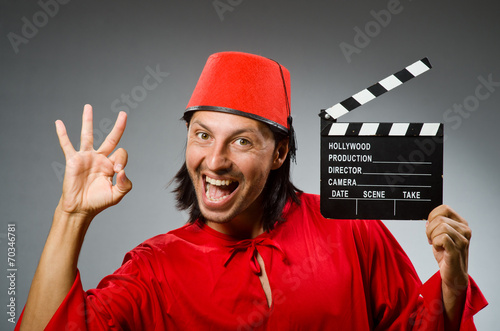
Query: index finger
[[447, 220], [445, 211], [115, 135]]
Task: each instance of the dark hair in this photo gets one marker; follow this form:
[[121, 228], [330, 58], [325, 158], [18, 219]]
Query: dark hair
[[277, 191]]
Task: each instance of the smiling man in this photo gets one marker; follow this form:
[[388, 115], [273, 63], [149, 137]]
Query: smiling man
[[229, 158], [256, 253]]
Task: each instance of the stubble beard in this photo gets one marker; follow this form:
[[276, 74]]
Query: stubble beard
[[199, 192], [226, 216]]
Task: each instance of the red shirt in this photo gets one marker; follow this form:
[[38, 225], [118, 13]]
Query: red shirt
[[324, 274]]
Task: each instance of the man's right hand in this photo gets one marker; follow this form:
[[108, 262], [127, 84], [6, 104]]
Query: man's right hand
[[87, 189], [88, 180]]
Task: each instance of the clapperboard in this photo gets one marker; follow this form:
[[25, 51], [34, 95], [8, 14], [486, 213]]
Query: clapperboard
[[380, 170]]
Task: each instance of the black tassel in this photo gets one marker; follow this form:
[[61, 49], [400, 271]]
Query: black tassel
[[292, 144]]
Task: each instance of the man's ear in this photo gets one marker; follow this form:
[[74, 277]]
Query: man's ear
[[280, 153]]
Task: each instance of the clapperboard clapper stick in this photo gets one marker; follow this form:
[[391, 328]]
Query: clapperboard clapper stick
[[391, 171]]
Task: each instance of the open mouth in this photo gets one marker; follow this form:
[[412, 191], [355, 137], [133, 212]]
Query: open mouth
[[219, 189]]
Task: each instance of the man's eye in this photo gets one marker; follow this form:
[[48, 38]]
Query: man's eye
[[242, 142], [203, 135]]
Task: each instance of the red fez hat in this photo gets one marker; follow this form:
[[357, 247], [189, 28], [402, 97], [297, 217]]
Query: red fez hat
[[247, 85]]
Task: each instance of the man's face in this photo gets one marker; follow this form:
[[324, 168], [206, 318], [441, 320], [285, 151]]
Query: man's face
[[229, 158]]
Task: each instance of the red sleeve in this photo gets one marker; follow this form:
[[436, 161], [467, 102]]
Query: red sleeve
[[66, 314], [127, 299], [398, 299], [429, 313]]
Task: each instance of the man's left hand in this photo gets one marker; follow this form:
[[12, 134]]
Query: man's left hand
[[449, 234]]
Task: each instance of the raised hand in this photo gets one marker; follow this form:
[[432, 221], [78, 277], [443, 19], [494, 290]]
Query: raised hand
[[449, 234], [88, 180], [87, 189]]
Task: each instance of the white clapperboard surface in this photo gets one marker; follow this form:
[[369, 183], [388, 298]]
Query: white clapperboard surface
[[391, 171]]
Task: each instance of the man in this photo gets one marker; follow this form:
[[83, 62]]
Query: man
[[256, 253]]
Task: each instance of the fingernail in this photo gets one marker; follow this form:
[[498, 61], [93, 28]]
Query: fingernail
[[118, 167]]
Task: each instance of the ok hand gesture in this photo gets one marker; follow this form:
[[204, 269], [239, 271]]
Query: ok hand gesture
[[88, 180]]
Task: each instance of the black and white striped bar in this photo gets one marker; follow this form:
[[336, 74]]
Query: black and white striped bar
[[385, 129], [379, 88]]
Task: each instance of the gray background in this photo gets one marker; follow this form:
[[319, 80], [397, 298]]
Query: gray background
[[95, 51]]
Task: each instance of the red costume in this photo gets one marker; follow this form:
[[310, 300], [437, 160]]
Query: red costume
[[324, 274]]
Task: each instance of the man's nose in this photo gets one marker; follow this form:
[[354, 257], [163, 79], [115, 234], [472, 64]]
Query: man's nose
[[218, 158]]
